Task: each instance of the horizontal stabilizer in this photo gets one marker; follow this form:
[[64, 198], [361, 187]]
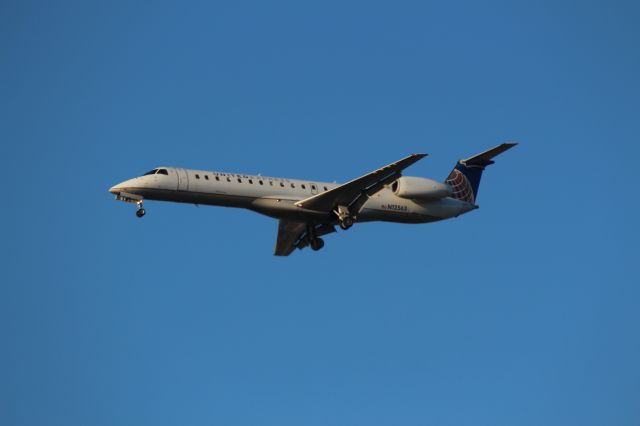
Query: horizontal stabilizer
[[464, 179], [485, 159]]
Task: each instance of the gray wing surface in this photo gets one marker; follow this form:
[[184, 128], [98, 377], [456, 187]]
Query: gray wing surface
[[289, 232], [356, 192], [292, 235]]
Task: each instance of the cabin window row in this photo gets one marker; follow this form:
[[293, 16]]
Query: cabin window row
[[261, 182]]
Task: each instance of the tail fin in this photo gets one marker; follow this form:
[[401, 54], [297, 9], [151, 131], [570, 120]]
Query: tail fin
[[464, 179]]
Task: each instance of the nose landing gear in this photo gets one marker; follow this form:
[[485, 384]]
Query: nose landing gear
[[140, 212], [132, 198]]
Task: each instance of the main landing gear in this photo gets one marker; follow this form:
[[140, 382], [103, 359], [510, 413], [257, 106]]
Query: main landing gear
[[346, 223], [140, 212], [344, 217], [315, 242]]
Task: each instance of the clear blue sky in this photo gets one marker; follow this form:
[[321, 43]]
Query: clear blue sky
[[524, 312]]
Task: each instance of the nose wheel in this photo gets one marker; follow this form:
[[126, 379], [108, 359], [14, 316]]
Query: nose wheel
[[140, 212]]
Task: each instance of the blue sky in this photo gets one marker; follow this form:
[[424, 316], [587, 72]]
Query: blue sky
[[524, 312]]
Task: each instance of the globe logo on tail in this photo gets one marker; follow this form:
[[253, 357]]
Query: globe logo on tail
[[460, 186]]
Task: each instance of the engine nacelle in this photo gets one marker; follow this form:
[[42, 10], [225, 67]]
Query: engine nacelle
[[420, 188]]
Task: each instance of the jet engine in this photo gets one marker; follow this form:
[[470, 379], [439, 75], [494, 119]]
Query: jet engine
[[420, 188]]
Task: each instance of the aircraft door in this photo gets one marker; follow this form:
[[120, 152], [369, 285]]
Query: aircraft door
[[183, 180]]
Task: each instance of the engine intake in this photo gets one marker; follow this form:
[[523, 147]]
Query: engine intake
[[420, 188]]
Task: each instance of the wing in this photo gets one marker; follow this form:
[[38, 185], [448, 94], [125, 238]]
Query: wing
[[355, 193], [292, 235], [289, 232]]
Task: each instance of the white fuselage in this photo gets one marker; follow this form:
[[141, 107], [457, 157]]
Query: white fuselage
[[275, 197]]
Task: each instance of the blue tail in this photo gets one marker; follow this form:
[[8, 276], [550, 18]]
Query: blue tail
[[464, 179]]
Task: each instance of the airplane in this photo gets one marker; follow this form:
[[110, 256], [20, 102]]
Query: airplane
[[308, 210]]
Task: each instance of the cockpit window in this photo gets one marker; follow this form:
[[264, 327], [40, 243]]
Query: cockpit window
[[157, 171]]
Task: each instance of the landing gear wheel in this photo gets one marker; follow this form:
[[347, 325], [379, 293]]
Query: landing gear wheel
[[317, 244], [140, 211], [345, 218], [346, 223]]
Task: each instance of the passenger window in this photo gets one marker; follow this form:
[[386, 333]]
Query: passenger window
[[313, 187], [292, 185], [271, 183], [206, 177], [239, 180], [228, 179], [197, 176], [217, 178], [251, 181], [304, 187], [325, 188], [282, 184], [260, 182]]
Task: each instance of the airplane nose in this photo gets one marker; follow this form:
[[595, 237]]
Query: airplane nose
[[116, 189], [123, 186]]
